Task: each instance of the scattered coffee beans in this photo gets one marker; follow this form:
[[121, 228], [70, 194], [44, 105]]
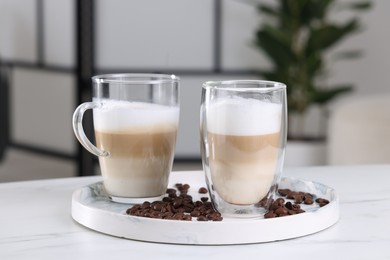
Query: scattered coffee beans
[[280, 207], [177, 206]]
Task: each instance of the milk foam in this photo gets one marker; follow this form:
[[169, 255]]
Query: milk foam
[[243, 117], [116, 115]]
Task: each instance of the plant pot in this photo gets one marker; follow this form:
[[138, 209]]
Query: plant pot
[[305, 153], [310, 125]]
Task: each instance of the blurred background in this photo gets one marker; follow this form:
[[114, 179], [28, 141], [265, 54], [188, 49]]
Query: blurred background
[[50, 49]]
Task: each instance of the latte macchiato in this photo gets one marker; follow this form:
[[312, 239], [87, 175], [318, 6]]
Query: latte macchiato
[[140, 139], [243, 143]]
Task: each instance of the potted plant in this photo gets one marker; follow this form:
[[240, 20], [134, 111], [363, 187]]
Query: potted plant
[[296, 36]]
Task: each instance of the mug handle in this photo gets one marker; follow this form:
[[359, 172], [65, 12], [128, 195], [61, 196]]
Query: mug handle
[[79, 131]]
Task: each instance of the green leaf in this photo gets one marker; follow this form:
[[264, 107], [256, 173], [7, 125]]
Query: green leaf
[[322, 96], [315, 10], [273, 43], [268, 10], [298, 41], [360, 6], [314, 65], [328, 35], [347, 55]]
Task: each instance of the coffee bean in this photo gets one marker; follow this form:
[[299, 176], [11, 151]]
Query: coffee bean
[[155, 214], [277, 204], [213, 216], [167, 214], [308, 195], [169, 207], [322, 202], [189, 204], [308, 201], [157, 206], [183, 191], [145, 205], [177, 202], [202, 218], [204, 199], [195, 213], [179, 210], [296, 207], [265, 202], [183, 188], [202, 190], [282, 211], [187, 218], [291, 195], [186, 197], [284, 192], [208, 205], [172, 195], [179, 215], [198, 203], [132, 211], [217, 217], [298, 198], [270, 214], [289, 205], [187, 209], [167, 199], [170, 190]]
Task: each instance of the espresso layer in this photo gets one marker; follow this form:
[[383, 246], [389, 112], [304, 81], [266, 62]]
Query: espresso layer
[[140, 160], [243, 167], [141, 143], [243, 149]]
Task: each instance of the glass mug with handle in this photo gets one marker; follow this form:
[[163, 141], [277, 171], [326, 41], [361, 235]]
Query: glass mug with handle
[[135, 119], [243, 138]]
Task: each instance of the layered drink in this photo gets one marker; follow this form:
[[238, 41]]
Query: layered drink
[[243, 139], [140, 139]]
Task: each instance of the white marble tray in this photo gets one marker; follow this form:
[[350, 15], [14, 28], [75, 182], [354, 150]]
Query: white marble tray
[[92, 208]]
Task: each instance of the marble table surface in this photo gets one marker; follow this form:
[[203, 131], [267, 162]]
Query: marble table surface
[[35, 223]]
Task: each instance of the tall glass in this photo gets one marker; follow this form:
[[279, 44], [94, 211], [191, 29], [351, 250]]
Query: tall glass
[[243, 139], [135, 118]]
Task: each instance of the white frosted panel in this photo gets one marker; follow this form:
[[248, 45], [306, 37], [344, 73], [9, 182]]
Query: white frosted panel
[[240, 20], [188, 142], [188, 134], [59, 29], [18, 30], [42, 105], [369, 73], [152, 34]]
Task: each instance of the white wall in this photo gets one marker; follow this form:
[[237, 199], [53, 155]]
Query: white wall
[[152, 35], [18, 30], [42, 104]]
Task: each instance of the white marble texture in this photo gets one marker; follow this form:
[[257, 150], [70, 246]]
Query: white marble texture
[[92, 208], [35, 223]]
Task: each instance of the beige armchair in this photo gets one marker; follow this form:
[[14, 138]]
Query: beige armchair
[[359, 131]]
